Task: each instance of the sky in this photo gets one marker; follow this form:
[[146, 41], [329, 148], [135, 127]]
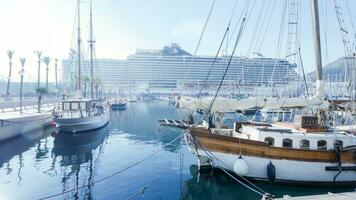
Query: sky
[[121, 26]]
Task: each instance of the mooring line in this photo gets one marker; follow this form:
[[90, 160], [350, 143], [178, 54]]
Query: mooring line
[[145, 187], [113, 174], [214, 158]]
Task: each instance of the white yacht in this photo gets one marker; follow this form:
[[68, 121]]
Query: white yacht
[[80, 115]]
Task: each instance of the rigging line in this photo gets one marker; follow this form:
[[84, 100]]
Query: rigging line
[[302, 66], [113, 174], [351, 20], [214, 61], [214, 159], [219, 49], [145, 187], [265, 18], [253, 37], [325, 16], [244, 10], [200, 39], [267, 26], [232, 15], [279, 43], [229, 63]]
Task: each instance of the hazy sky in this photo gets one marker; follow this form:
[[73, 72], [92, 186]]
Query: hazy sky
[[121, 26]]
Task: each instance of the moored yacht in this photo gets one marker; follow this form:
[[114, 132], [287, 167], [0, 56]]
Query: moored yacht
[[119, 104], [280, 152], [78, 114]]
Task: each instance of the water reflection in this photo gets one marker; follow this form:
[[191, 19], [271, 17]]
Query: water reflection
[[78, 159], [140, 122], [14, 150], [217, 185]]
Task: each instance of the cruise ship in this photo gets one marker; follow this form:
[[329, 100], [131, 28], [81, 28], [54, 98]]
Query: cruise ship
[[172, 68]]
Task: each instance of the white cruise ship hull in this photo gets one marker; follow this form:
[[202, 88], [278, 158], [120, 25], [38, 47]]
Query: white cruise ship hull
[[18, 126], [75, 125]]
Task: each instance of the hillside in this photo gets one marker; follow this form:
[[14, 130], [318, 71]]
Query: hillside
[[335, 70]]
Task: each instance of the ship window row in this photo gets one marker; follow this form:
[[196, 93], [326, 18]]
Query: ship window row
[[303, 144]]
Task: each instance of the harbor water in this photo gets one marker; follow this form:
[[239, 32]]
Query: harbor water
[[104, 164]]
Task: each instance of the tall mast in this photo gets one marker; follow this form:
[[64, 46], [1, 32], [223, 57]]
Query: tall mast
[[319, 91], [91, 42], [78, 43]]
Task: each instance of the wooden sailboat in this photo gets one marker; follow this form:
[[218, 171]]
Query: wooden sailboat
[[307, 151], [80, 115]]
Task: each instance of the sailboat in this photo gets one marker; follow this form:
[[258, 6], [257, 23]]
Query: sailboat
[[308, 151], [78, 114]]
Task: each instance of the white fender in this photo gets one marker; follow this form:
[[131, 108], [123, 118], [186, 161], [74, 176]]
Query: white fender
[[240, 167]]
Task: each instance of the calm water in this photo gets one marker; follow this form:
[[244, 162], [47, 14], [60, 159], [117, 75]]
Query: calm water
[[45, 164]]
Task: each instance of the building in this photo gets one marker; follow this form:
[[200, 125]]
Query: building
[[172, 68]]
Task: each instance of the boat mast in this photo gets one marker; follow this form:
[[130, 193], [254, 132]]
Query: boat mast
[[319, 91], [91, 42], [78, 43]]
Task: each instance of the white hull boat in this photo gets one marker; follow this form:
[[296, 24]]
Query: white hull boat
[[280, 153], [75, 116], [75, 125]]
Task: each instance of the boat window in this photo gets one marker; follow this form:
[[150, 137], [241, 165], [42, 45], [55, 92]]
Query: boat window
[[322, 145], [82, 105], [66, 106], [74, 106], [338, 143], [269, 141], [304, 144], [288, 143]]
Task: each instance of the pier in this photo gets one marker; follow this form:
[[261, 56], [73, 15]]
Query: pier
[[334, 196]]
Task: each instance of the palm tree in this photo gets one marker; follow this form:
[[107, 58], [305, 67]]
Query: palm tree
[[10, 54], [22, 71], [38, 53], [85, 82], [46, 60]]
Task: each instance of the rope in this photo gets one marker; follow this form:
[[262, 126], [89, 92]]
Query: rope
[[219, 49], [211, 156], [258, 49], [113, 174], [229, 63], [199, 41], [145, 187]]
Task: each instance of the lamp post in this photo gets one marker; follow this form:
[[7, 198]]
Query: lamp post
[[21, 72], [55, 71], [46, 60], [10, 53]]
